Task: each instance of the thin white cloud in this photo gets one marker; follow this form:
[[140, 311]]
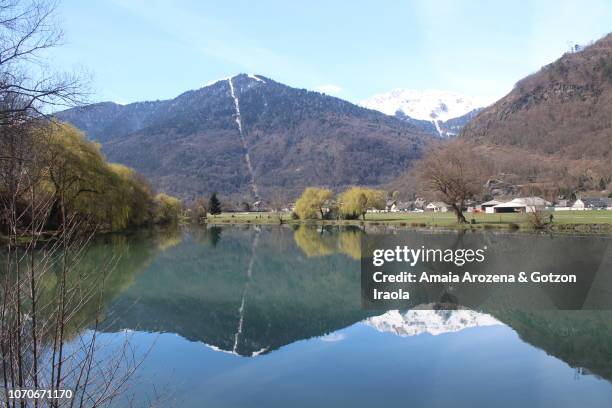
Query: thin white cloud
[[329, 89]]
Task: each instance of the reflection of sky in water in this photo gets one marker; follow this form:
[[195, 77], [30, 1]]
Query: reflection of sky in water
[[486, 366]]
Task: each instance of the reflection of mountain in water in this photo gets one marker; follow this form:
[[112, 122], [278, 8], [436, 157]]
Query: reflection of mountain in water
[[253, 292], [206, 293], [580, 338], [435, 322]]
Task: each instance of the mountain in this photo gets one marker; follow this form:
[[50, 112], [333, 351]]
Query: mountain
[[248, 136], [563, 110], [440, 112]]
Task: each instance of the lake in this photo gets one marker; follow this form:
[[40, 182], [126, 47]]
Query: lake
[[244, 316]]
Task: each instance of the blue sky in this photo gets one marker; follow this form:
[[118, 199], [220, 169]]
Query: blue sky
[[144, 50]]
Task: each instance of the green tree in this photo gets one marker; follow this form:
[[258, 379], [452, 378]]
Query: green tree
[[214, 205], [356, 201], [312, 203], [199, 210], [167, 209], [82, 183]]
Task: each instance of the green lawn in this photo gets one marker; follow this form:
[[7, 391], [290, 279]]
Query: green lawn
[[561, 218]]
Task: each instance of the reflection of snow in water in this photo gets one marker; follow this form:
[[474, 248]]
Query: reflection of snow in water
[[435, 322], [234, 353], [258, 352], [241, 311], [333, 337], [244, 292]]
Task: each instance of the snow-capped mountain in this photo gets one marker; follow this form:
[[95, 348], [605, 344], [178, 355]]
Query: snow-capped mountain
[[435, 322], [432, 106]]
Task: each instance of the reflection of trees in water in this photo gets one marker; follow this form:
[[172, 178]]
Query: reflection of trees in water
[[215, 235], [206, 235], [322, 241], [314, 241], [168, 238], [125, 257]]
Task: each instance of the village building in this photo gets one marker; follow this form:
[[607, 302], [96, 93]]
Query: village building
[[395, 206], [522, 205], [391, 206], [419, 203], [583, 204], [436, 206], [578, 205], [405, 206], [487, 206], [598, 203]]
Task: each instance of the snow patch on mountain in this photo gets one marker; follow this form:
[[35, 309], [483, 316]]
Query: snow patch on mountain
[[252, 76], [435, 322], [424, 105], [255, 77]]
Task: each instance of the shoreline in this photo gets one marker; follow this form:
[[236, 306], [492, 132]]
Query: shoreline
[[568, 223]]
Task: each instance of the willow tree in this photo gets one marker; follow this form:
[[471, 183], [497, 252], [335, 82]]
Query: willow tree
[[356, 201], [75, 168], [312, 203], [128, 200], [82, 183], [167, 209]]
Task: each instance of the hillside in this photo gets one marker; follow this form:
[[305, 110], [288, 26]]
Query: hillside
[[249, 136], [564, 109], [550, 136]]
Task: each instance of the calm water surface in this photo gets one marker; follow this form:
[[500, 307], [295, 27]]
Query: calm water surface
[[272, 317]]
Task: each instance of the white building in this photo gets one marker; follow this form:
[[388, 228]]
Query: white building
[[578, 205], [487, 206], [522, 205], [436, 206]]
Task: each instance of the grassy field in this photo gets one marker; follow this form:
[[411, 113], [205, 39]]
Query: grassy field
[[562, 219]]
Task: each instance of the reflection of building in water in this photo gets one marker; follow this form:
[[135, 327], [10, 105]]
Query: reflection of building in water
[[435, 322]]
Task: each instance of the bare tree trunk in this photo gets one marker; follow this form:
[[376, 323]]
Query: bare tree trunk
[[459, 214]]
